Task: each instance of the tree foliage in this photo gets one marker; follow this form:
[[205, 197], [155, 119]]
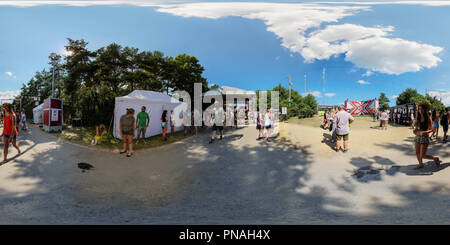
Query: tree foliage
[[88, 81], [412, 96], [298, 106]]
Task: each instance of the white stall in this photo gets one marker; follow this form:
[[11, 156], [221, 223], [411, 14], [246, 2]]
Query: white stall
[[155, 104], [38, 114]]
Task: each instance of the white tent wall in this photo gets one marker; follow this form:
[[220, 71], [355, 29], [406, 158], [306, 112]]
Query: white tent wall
[[154, 109], [38, 114]]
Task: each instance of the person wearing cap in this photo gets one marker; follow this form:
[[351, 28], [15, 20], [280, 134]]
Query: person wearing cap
[[127, 128]]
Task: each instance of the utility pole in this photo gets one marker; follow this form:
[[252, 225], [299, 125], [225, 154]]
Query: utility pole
[[323, 77]]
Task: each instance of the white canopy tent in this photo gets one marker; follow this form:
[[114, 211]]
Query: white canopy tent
[[38, 114], [155, 103]]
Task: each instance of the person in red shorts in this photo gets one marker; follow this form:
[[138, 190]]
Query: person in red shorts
[[9, 130]]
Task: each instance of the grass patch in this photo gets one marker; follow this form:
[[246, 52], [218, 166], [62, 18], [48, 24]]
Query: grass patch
[[85, 135]]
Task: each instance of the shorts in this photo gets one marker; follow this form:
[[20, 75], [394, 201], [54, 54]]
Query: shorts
[[268, 126], [8, 136], [424, 139], [339, 137], [435, 125], [258, 126], [142, 130], [164, 125], [127, 132], [384, 123], [215, 127]]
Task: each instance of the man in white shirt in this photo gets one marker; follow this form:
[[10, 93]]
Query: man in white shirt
[[218, 119], [24, 120], [343, 119]]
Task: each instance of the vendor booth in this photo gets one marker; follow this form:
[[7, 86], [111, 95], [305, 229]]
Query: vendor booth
[[155, 104], [38, 114], [53, 115]]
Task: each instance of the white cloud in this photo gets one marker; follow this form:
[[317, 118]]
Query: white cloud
[[335, 40], [392, 55], [289, 22], [10, 74], [366, 47], [363, 82], [440, 95], [330, 94], [141, 3], [371, 49], [425, 3], [368, 73], [317, 94], [394, 97], [4, 95]]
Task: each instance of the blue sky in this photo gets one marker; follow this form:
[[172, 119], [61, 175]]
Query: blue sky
[[365, 48]]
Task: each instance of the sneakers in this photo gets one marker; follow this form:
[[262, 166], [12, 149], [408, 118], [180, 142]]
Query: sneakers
[[345, 151]]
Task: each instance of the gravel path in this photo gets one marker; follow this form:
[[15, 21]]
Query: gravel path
[[238, 180]]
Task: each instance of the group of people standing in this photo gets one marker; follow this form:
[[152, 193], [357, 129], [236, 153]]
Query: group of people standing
[[444, 120], [218, 118], [10, 131], [338, 121], [265, 122]]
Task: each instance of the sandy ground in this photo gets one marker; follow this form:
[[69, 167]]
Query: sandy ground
[[295, 179]]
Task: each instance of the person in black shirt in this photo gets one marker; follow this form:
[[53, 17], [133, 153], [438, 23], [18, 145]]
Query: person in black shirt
[[445, 118]]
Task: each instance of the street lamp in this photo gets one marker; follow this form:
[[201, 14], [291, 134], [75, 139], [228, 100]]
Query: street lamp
[[55, 59]]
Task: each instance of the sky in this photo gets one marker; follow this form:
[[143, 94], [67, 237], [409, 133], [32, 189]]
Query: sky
[[343, 50]]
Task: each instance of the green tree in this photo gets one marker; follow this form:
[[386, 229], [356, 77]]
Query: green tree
[[384, 102], [410, 96]]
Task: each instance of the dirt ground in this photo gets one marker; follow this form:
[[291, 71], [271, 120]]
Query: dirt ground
[[296, 178]]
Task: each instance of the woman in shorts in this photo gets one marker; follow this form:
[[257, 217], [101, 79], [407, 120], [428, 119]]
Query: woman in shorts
[[435, 120], [9, 130], [422, 129], [259, 126], [127, 128]]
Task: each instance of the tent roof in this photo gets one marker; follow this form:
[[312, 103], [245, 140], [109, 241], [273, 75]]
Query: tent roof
[[150, 96], [41, 106]]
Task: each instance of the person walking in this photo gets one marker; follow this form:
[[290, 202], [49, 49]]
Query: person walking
[[172, 123], [435, 120], [259, 126], [445, 119], [164, 124], [127, 129], [268, 124], [384, 120], [142, 122], [413, 122], [10, 131], [24, 120], [333, 126], [422, 130], [343, 120], [218, 118]]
